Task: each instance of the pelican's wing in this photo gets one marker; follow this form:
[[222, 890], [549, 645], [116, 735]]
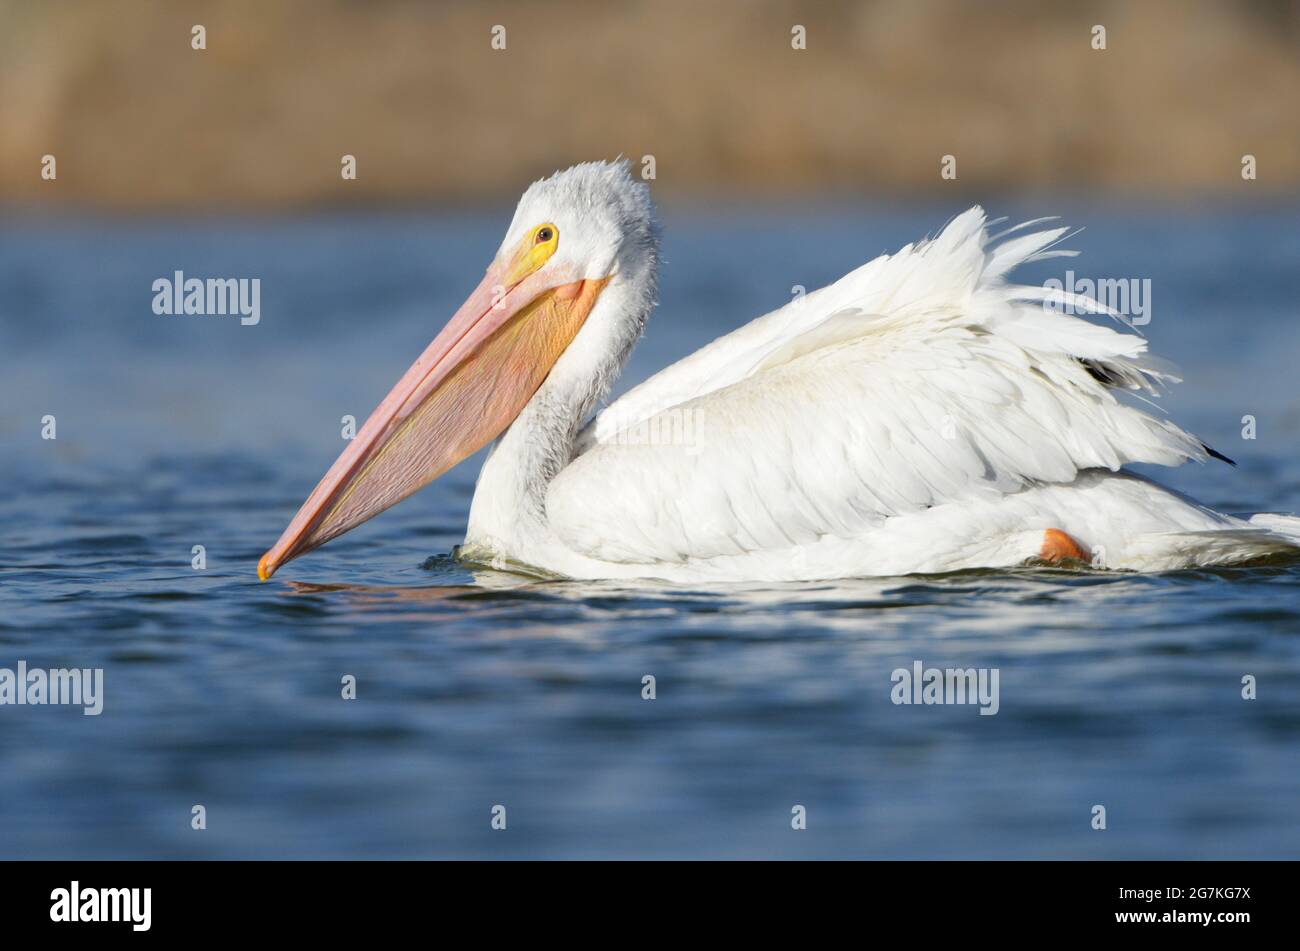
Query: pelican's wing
[[923, 377]]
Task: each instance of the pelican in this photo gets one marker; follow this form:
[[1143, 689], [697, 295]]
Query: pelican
[[921, 414]]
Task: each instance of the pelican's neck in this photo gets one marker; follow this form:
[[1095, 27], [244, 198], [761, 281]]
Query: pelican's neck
[[508, 514]]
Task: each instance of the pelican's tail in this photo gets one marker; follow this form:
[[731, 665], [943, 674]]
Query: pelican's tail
[[1286, 527], [1258, 538]]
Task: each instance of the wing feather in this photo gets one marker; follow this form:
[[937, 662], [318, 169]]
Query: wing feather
[[920, 378]]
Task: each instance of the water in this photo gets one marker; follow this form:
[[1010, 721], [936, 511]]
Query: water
[[1119, 690]]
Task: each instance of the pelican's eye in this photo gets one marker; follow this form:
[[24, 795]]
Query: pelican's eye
[[534, 249]]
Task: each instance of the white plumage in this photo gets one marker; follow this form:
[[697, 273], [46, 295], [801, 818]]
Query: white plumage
[[921, 414]]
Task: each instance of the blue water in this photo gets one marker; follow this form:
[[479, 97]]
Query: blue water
[[1119, 690]]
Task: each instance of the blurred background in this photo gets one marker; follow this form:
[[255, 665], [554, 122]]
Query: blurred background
[[1013, 89], [774, 167]]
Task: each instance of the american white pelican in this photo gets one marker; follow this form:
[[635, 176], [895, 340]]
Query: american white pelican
[[921, 414]]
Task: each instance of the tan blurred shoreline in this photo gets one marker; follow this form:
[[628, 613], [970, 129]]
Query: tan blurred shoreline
[[260, 119]]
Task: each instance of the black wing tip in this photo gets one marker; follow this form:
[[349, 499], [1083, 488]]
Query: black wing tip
[[1215, 454], [1100, 372]]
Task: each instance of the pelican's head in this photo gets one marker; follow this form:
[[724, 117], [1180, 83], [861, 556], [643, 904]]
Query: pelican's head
[[580, 234]]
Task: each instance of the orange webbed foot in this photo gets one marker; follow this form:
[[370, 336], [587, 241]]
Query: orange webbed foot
[[1058, 546]]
